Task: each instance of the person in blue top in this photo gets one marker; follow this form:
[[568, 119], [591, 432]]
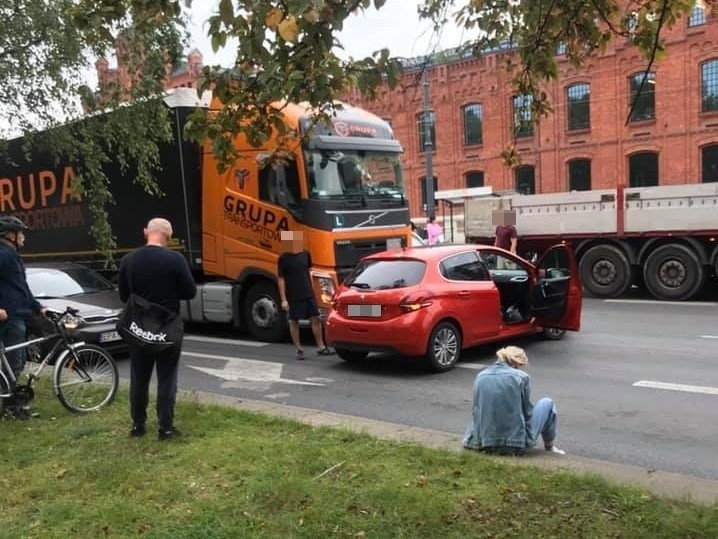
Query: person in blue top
[[504, 420], [17, 303]]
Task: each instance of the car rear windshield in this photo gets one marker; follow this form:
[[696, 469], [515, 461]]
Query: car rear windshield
[[387, 274]]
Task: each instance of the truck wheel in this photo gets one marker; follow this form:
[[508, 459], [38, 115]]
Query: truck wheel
[[673, 272], [262, 313], [444, 347], [605, 271]]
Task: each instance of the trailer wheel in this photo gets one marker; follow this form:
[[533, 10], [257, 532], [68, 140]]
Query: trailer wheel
[[262, 313], [605, 271], [673, 272]]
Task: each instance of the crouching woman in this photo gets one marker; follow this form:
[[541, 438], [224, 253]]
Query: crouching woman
[[504, 420]]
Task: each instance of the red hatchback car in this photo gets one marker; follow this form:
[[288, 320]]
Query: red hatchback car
[[436, 301]]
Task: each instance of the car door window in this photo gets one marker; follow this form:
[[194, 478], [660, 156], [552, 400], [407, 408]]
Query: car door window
[[497, 262], [464, 267]]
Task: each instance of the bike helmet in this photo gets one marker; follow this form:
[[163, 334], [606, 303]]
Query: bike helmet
[[10, 223]]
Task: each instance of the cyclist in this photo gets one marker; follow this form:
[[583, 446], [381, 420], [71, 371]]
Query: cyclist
[[17, 303]]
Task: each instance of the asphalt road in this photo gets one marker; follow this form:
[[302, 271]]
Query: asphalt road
[[668, 422]]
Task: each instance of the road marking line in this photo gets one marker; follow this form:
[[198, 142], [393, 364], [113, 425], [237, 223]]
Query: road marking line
[[217, 340], [472, 366], [657, 302], [677, 387], [709, 336], [252, 371]]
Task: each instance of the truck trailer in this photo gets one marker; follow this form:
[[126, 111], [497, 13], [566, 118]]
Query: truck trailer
[[661, 238], [343, 188]]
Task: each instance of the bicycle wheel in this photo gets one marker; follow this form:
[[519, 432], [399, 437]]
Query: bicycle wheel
[[86, 380]]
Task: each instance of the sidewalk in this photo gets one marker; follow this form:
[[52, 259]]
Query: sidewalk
[[667, 484]]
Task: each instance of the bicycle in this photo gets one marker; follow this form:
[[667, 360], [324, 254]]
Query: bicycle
[[85, 377]]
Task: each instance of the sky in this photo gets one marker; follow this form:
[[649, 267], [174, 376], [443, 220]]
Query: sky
[[395, 26]]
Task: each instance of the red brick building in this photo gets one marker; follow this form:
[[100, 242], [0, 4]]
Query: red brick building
[[587, 143]]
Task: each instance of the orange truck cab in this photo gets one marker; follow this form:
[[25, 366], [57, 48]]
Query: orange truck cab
[[343, 189]]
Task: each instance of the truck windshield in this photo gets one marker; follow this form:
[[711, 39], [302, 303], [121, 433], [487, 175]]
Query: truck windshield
[[340, 174]]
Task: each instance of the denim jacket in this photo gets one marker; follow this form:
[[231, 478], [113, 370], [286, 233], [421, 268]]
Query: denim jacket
[[502, 410]]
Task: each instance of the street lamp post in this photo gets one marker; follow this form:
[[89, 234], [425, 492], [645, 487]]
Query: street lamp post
[[428, 148]]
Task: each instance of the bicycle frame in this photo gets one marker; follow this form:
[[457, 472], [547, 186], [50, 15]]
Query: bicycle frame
[[10, 380]]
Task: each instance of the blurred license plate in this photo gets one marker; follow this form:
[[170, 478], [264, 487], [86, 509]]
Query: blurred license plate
[[109, 336], [365, 310]]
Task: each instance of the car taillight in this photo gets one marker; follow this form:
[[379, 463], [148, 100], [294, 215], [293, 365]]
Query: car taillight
[[416, 301]]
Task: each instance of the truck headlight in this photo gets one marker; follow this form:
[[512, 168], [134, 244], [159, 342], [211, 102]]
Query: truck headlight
[[326, 288]]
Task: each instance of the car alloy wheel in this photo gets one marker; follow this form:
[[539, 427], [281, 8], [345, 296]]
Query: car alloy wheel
[[444, 347]]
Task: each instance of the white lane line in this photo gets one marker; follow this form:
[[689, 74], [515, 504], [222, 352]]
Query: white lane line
[[657, 302], [709, 336], [472, 366], [217, 340], [677, 387]]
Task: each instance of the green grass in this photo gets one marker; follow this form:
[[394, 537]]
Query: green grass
[[240, 475]]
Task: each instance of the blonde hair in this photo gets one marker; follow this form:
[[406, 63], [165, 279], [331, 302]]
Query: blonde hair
[[513, 355]]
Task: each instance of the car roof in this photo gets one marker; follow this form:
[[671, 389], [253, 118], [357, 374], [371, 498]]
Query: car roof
[[425, 252], [53, 265]]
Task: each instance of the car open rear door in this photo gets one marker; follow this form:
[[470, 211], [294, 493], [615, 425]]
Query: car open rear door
[[556, 295]]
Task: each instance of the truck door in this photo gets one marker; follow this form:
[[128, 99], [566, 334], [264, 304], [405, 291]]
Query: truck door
[[556, 295]]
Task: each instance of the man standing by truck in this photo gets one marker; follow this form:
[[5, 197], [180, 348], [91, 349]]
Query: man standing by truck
[[17, 303], [506, 234], [296, 292], [159, 275]]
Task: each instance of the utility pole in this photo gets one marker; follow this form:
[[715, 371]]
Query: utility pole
[[428, 147]]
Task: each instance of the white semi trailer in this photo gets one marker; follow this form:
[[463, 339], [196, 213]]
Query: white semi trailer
[[663, 238]]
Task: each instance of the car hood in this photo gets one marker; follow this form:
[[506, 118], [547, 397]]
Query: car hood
[[94, 306]]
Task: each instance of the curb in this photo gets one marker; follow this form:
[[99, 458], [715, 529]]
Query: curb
[[657, 482]]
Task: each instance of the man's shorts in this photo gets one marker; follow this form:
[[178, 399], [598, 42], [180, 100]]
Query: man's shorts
[[303, 309]]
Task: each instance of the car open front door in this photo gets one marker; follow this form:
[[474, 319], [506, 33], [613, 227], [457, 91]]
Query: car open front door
[[556, 296]]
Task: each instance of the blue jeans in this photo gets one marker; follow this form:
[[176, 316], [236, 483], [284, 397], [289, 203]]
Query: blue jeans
[[543, 420], [12, 332]]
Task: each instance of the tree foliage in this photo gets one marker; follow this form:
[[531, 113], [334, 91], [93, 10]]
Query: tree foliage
[[286, 50]]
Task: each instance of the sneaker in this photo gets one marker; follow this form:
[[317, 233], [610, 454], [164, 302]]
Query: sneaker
[[168, 434], [300, 355], [138, 429], [556, 450], [326, 351]]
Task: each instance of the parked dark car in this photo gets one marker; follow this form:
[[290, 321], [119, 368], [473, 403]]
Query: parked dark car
[[57, 285]]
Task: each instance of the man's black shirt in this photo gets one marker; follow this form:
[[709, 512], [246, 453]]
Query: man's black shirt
[[158, 275], [294, 269]]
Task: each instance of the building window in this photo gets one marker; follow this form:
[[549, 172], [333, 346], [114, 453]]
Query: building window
[[425, 123], [579, 110], [709, 157], [697, 16], [709, 86], [525, 178], [643, 96], [475, 178], [579, 175], [523, 126], [561, 49], [643, 169], [422, 181], [473, 124]]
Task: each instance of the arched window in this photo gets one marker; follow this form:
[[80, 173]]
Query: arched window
[[579, 175], [697, 16], [709, 159], [578, 103], [525, 179], [475, 178], [473, 124], [709, 86], [643, 169], [643, 96], [523, 115]]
